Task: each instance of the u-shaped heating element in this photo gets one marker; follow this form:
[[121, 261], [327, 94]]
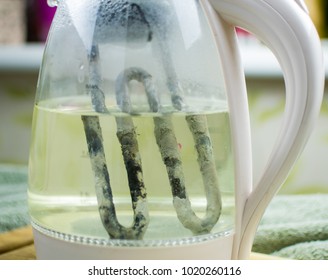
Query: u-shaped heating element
[[102, 179], [166, 141], [168, 147]]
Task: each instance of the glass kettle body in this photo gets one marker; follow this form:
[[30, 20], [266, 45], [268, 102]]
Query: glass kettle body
[[140, 143]]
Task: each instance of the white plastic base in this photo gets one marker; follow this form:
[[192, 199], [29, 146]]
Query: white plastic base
[[50, 248]]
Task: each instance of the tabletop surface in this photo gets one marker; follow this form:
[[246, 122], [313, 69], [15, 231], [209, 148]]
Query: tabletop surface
[[17, 245]]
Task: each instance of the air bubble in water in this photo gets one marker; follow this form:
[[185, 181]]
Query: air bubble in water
[[81, 74]]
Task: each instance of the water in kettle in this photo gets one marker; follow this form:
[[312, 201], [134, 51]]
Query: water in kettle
[[62, 196]]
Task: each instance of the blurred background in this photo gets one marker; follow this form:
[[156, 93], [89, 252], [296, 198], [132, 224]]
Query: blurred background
[[24, 25]]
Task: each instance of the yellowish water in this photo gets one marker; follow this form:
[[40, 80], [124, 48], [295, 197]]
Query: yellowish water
[[61, 181]]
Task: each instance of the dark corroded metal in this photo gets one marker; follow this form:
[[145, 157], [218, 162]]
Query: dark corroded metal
[[103, 188]]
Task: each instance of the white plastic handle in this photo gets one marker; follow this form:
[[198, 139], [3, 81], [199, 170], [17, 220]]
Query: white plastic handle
[[287, 30]]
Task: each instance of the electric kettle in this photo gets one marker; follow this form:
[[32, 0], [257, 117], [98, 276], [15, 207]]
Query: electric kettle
[[141, 144]]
